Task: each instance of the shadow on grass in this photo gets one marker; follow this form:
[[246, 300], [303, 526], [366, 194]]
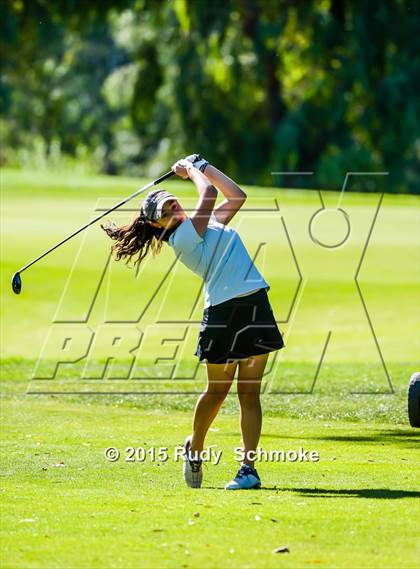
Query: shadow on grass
[[382, 493], [400, 437], [371, 493]]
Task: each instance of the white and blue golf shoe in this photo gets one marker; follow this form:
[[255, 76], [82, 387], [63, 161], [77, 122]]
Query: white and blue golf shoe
[[246, 479]]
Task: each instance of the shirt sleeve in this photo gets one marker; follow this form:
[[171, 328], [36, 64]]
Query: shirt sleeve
[[185, 238]]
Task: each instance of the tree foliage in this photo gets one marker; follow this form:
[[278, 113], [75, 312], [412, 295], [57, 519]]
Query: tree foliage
[[256, 86]]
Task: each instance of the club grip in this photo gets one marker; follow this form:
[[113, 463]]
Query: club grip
[[164, 177]]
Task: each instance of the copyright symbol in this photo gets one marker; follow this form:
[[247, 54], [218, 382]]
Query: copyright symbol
[[112, 454]]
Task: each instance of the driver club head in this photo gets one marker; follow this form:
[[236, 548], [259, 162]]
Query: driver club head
[[16, 283]]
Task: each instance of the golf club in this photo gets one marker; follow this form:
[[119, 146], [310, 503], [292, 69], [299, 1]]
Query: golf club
[[17, 281]]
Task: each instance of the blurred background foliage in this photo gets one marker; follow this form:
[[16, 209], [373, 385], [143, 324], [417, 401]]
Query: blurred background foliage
[[256, 86]]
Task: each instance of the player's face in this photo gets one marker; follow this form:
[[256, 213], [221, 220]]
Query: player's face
[[172, 213]]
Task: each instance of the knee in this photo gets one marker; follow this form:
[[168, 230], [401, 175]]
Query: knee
[[249, 398], [216, 395]]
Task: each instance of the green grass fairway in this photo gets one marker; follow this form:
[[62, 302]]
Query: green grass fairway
[[65, 506], [339, 388]]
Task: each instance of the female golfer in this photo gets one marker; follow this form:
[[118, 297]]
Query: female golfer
[[238, 328]]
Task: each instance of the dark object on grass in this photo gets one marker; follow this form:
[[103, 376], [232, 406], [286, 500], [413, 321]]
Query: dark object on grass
[[414, 400], [16, 280], [282, 549]]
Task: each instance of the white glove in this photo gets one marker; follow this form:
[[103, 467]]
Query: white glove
[[197, 161]]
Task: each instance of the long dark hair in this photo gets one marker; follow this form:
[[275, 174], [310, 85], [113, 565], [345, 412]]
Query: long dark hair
[[136, 238]]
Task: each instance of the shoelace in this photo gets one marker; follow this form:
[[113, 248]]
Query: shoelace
[[244, 471], [195, 465]]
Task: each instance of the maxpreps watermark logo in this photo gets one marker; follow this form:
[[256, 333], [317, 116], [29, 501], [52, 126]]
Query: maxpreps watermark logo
[[135, 331]]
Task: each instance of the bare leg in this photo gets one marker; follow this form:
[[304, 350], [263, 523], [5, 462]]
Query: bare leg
[[219, 380], [249, 386]]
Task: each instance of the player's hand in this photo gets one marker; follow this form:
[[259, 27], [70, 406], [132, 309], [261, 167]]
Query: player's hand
[[182, 168], [197, 161]]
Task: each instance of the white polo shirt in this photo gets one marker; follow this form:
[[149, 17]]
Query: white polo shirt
[[219, 257]]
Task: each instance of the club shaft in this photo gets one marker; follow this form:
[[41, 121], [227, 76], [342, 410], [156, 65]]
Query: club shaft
[[145, 188]]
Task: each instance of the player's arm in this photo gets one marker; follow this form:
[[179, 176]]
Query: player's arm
[[207, 192], [235, 197]]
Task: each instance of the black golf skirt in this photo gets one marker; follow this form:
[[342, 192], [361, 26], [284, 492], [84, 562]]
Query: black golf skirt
[[237, 329]]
